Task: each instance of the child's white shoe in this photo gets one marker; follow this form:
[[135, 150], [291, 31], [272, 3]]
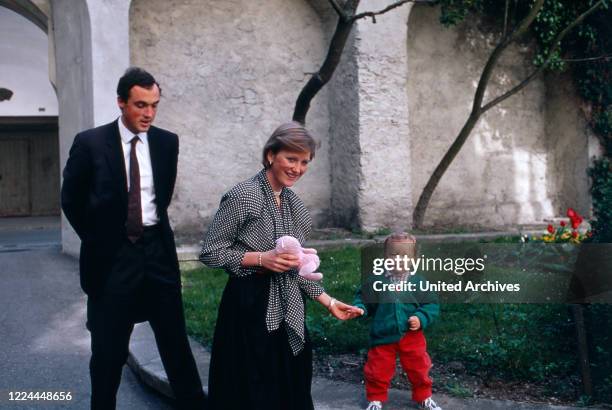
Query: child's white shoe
[[374, 405], [429, 404]]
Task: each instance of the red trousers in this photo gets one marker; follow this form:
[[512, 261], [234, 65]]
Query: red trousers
[[380, 367]]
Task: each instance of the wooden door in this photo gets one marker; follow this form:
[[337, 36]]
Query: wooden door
[[14, 177]]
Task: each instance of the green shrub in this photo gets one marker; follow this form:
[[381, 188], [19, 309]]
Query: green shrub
[[601, 191], [527, 342], [599, 322]]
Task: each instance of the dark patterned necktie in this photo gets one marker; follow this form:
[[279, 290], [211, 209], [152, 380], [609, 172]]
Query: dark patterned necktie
[[134, 217]]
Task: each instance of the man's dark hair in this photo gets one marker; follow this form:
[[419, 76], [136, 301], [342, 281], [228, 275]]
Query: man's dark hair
[[135, 76]]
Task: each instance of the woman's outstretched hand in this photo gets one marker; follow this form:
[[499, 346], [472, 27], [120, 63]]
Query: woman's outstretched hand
[[339, 309], [342, 311]]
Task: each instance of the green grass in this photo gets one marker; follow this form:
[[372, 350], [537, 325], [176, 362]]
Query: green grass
[[528, 342], [203, 288], [342, 270], [458, 390], [371, 234]]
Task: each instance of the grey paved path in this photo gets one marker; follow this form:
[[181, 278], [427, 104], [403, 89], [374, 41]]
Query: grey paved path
[[21, 234], [327, 394], [44, 345]]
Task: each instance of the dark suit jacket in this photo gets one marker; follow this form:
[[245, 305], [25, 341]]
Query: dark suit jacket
[[94, 196]]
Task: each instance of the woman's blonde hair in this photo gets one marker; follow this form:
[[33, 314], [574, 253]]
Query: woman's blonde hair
[[290, 136]]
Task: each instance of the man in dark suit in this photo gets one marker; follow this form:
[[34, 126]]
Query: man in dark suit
[[118, 183]]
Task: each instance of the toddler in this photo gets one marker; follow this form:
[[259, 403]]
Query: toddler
[[397, 330]]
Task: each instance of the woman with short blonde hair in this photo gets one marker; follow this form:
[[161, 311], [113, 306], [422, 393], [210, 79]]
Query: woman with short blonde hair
[[261, 354]]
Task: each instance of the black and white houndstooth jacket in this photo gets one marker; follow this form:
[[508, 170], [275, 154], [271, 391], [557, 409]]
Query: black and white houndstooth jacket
[[248, 220]]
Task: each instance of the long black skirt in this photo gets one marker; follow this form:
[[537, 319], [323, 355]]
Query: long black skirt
[[251, 368]]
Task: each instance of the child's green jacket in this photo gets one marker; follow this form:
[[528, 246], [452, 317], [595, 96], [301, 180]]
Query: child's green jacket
[[390, 311]]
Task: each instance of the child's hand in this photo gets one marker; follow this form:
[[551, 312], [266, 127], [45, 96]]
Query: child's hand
[[414, 323]]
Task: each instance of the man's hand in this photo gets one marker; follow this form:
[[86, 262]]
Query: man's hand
[[414, 322]]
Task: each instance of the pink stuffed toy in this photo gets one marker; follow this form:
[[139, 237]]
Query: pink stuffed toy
[[309, 261]]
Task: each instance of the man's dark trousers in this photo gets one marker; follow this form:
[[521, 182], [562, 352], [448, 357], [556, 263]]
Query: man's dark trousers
[[142, 285]]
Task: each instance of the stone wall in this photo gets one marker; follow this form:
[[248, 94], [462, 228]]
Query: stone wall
[[511, 169], [345, 147], [230, 73], [568, 138], [399, 97], [384, 132]]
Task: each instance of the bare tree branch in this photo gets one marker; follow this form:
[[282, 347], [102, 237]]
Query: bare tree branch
[[524, 25], [574, 24], [505, 19], [497, 52], [514, 9], [390, 7], [579, 60], [512, 91], [339, 10]]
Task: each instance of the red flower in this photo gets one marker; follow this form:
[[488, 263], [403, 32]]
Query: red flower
[[576, 221], [562, 223], [550, 228], [574, 217], [574, 234]]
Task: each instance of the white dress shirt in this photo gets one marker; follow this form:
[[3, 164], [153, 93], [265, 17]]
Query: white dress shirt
[[147, 188]]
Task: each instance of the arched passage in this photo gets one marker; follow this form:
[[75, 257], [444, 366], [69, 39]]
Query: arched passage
[[29, 149], [69, 65], [35, 11]]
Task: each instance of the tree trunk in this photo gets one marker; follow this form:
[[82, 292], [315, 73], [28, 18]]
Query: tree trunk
[[583, 349], [325, 73]]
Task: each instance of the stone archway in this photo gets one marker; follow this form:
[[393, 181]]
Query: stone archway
[[29, 153], [70, 71], [37, 11]]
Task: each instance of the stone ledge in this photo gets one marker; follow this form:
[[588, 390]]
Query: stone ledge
[[190, 253], [144, 360]]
